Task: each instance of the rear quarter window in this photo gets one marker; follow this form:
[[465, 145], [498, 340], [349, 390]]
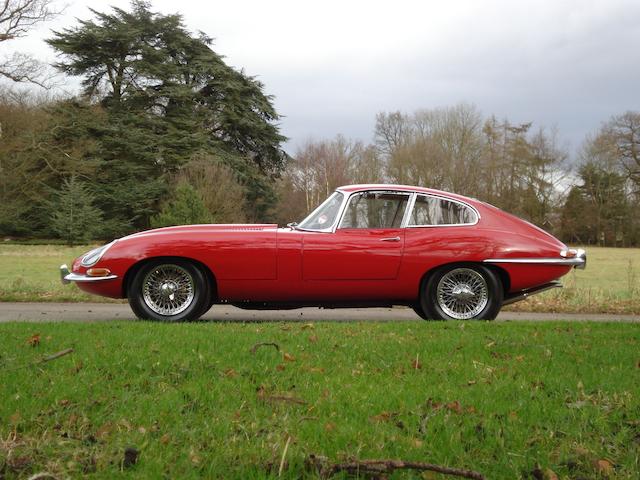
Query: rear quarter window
[[433, 211]]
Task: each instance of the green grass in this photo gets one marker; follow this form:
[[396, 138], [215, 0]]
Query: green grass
[[30, 273], [501, 399], [609, 284]]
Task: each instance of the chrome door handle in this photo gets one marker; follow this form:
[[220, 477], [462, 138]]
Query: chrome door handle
[[390, 239]]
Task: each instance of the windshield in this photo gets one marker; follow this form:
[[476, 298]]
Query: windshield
[[325, 215]]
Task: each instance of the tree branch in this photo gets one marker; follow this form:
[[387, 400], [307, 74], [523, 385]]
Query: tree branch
[[382, 468]]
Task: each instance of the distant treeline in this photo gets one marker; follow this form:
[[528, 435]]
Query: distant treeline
[[165, 133], [594, 199]]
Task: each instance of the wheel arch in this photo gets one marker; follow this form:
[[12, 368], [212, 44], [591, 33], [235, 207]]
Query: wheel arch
[[505, 280], [133, 269]]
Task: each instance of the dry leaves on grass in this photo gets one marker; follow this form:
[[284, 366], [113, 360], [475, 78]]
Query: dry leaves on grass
[[454, 407], [278, 397], [604, 467], [546, 474], [384, 416], [230, 373]]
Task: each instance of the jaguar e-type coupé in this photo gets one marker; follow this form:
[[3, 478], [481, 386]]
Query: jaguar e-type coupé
[[444, 255]]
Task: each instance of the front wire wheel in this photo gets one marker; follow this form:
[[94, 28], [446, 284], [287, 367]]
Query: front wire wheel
[[463, 292], [170, 290]]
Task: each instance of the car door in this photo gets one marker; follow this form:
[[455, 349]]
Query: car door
[[367, 244]]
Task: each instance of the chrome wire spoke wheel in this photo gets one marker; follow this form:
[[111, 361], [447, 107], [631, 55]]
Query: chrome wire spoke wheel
[[462, 293], [168, 290]]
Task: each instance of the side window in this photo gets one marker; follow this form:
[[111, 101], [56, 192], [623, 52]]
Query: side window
[[439, 211], [375, 210]]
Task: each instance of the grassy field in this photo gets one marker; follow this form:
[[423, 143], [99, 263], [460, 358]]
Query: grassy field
[[29, 273], [511, 400], [609, 284]]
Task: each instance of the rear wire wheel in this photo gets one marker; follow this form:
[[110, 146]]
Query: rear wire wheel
[[462, 292]]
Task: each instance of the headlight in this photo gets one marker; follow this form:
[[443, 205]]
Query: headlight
[[92, 257]]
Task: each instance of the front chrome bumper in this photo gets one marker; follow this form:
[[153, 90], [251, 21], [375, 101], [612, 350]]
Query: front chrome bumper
[[67, 277]]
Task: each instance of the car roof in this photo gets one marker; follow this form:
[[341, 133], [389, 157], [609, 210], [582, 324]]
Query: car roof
[[403, 188]]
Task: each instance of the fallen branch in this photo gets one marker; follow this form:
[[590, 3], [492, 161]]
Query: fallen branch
[[282, 398], [381, 468], [43, 476], [255, 348], [46, 359], [59, 354]]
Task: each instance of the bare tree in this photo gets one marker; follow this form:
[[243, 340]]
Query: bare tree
[[222, 195], [623, 133], [391, 130], [17, 18], [440, 148], [318, 167]]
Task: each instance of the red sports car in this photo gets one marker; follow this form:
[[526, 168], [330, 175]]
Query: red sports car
[[444, 255]]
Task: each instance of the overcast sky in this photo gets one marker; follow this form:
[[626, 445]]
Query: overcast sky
[[333, 64]]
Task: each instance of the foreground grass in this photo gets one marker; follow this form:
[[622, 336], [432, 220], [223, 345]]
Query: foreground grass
[[610, 284], [508, 400]]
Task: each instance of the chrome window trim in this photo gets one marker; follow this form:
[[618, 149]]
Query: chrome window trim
[[449, 199], [410, 194], [331, 228], [407, 213]]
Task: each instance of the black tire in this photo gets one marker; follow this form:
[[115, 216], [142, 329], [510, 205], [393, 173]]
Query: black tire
[[185, 281], [420, 312], [478, 296]]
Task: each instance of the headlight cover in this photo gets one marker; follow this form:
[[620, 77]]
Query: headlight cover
[[92, 257]]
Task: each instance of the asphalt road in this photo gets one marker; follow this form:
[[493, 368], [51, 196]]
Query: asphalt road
[[101, 312]]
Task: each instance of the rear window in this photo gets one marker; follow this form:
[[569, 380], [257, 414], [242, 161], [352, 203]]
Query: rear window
[[429, 211]]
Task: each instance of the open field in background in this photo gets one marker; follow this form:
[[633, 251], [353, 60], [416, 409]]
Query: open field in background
[[509, 400], [610, 283], [30, 273]]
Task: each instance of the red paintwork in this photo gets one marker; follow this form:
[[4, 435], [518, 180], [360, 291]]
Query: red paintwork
[[263, 263]]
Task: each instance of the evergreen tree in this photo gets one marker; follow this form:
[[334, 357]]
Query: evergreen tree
[[605, 193], [186, 207], [168, 97], [576, 218], [74, 218]]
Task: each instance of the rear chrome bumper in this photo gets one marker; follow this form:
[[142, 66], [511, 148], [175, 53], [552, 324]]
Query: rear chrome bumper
[[524, 294], [581, 255], [577, 261], [67, 277]]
